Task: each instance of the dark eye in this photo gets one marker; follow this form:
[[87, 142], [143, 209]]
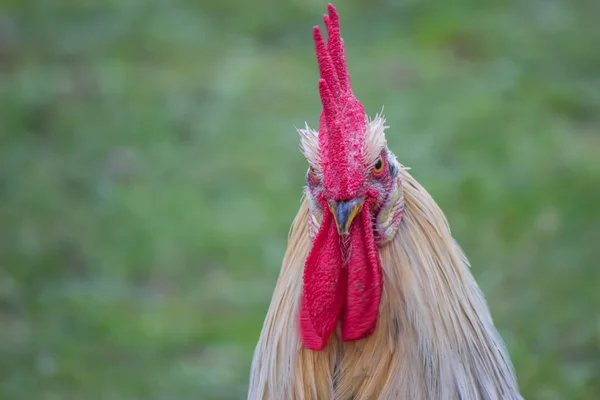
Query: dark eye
[[378, 167], [312, 175]]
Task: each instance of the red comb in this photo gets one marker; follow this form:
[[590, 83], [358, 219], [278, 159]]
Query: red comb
[[342, 122]]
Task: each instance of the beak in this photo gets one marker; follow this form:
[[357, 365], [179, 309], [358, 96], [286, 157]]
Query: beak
[[344, 212]]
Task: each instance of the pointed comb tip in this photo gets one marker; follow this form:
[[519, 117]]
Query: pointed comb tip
[[319, 42], [324, 93], [333, 14], [318, 36]]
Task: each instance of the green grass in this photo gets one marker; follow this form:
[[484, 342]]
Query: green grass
[[149, 171]]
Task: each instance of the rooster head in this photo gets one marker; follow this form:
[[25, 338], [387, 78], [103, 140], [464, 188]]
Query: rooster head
[[355, 202]]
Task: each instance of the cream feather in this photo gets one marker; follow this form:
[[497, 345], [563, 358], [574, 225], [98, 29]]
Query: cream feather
[[374, 140], [435, 338], [309, 145]]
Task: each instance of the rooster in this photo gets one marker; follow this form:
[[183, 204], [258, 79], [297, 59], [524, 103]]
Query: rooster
[[375, 299]]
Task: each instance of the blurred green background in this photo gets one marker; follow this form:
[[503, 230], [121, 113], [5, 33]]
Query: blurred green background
[[149, 172]]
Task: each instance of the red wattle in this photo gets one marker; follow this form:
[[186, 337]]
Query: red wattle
[[324, 287], [365, 281], [332, 291]]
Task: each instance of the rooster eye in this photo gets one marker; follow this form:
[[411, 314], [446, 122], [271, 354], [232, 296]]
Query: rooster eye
[[314, 178], [378, 167]]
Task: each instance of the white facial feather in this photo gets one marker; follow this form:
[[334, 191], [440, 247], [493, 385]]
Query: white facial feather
[[374, 140], [309, 145]]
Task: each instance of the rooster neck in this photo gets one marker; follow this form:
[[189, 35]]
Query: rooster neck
[[434, 338]]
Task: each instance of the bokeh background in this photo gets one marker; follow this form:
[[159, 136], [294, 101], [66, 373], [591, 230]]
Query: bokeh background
[[149, 172]]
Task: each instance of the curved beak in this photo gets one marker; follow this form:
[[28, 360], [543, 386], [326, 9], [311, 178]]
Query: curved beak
[[344, 213]]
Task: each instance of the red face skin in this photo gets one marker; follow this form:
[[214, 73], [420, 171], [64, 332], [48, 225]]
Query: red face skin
[[376, 187]]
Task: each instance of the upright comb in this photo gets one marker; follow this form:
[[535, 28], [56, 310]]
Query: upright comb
[[342, 122]]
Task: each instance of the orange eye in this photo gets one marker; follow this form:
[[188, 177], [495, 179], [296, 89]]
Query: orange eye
[[378, 167], [314, 178]]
